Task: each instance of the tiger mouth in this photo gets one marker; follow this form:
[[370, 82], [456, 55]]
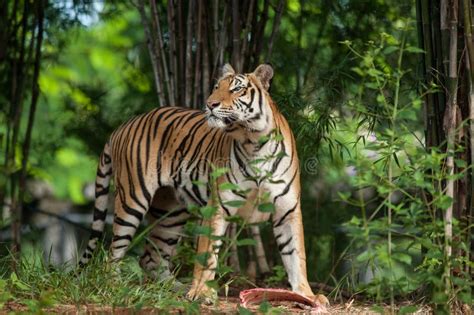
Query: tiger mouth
[[225, 120]]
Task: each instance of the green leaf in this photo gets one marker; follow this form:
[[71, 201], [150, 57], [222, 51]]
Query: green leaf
[[202, 258], [244, 311], [207, 211], [278, 137], [415, 50], [235, 203], [219, 171], [228, 186], [234, 219], [199, 183], [264, 307], [409, 309], [212, 284], [263, 139], [266, 207], [378, 309], [246, 242], [402, 257], [363, 257], [202, 230], [444, 202], [390, 49], [460, 163], [18, 283]]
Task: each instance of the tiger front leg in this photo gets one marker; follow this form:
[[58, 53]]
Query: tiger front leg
[[207, 246], [289, 235]]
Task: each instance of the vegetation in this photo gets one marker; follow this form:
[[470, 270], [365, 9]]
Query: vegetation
[[378, 93]]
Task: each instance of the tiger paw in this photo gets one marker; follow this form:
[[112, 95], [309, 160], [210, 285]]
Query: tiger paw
[[208, 295], [321, 300]]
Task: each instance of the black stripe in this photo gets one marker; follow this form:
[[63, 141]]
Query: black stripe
[[222, 206], [96, 234], [192, 196], [103, 191], [119, 246], [279, 159], [131, 188], [135, 213], [280, 221], [140, 174], [148, 140], [169, 241], [283, 245], [150, 259], [107, 158], [100, 174], [170, 225], [159, 213], [158, 119], [287, 188], [99, 214], [288, 252], [122, 237], [122, 222]]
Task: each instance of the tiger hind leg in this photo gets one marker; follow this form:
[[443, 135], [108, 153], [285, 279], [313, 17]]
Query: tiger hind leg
[[168, 218], [128, 216]]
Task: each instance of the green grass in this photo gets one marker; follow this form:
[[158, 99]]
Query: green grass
[[38, 285]]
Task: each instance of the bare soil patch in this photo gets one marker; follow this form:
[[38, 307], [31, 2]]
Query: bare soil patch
[[224, 306]]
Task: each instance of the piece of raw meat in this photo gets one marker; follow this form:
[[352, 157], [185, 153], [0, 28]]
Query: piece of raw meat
[[258, 295]]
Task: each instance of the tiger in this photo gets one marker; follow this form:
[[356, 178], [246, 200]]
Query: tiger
[[156, 160]]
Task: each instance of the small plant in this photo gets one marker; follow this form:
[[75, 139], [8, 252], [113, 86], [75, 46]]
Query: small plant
[[278, 276], [399, 238]]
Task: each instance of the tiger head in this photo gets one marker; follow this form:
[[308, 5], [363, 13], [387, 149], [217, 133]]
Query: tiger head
[[240, 100]]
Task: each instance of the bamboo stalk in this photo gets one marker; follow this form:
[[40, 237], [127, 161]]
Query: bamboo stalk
[[181, 77], [35, 91], [172, 51], [236, 36], [161, 52], [258, 43], [215, 22], [440, 59], [152, 51], [468, 24], [300, 46], [16, 110], [247, 32], [276, 26], [450, 119], [197, 64], [205, 63], [189, 66], [219, 57], [248, 62], [432, 139]]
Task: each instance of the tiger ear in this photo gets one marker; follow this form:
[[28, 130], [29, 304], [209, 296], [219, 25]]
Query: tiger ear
[[227, 70], [264, 73]]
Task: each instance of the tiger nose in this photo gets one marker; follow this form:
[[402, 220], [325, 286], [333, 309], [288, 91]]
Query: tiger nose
[[212, 104]]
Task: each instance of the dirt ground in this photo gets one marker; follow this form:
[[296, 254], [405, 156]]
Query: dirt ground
[[225, 306]]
